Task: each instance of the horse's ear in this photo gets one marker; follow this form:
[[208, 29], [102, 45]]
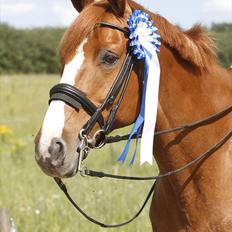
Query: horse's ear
[[80, 4], [119, 6]]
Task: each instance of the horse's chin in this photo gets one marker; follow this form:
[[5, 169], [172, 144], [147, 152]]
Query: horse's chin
[[60, 172], [70, 173], [67, 170]]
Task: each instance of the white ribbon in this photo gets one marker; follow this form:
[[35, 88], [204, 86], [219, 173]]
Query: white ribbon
[[151, 102], [145, 45]]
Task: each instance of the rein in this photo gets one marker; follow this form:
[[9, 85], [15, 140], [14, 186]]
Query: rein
[[77, 99], [86, 172], [201, 122]]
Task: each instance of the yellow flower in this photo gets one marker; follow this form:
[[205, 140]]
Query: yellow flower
[[4, 130], [17, 146]]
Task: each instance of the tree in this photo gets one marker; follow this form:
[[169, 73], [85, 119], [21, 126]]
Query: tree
[[36, 50], [29, 50], [223, 34]]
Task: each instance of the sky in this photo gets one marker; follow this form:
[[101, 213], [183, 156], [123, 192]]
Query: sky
[[40, 13]]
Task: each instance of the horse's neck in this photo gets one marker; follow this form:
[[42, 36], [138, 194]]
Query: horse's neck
[[185, 97]]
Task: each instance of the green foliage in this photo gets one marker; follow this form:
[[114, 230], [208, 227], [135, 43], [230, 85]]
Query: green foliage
[[29, 50], [36, 50], [223, 34]]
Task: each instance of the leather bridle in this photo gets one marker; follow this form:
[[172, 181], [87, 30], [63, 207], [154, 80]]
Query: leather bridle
[[77, 99]]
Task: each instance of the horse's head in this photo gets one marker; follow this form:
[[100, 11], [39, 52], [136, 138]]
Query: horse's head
[[92, 57]]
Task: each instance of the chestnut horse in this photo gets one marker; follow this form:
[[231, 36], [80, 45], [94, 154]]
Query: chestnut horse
[[192, 86]]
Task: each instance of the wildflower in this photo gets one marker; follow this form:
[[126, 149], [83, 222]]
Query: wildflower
[[37, 211], [4, 130], [17, 146]]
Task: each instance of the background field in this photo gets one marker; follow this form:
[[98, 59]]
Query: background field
[[32, 199]]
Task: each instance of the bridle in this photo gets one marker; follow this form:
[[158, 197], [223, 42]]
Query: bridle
[[77, 99]]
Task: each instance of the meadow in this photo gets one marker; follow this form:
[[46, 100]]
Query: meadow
[[31, 198]]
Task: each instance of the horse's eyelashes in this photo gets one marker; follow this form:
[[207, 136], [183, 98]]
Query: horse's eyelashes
[[109, 58]]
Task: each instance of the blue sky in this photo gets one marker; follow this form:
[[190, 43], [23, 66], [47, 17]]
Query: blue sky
[[33, 13]]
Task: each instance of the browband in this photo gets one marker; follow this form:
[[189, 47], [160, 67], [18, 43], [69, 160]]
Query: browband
[[124, 30]]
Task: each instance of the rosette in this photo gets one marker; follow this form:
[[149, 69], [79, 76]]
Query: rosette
[[145, 44]]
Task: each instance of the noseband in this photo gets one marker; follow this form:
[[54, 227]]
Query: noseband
[[77, 100]]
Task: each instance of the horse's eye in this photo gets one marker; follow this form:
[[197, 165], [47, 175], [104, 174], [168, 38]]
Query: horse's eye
[[109, 58]]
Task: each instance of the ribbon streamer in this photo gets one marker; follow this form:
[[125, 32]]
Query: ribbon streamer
[[145, 43]]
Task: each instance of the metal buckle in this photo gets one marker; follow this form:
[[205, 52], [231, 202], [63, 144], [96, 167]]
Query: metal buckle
[[83, 171], [82, 134], [92, 141], [83, 150]]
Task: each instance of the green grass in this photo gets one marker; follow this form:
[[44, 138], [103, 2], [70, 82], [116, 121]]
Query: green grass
[[32, 199]]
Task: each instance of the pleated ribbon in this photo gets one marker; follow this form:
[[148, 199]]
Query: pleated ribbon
[[145, 46]]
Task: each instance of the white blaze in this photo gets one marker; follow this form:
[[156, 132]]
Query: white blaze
[[55, 117]]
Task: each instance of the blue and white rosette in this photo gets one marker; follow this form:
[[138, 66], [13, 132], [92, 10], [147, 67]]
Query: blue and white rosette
[[145, 45]]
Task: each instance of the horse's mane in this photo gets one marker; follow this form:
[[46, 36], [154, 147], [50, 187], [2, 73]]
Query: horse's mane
[[193, 45]]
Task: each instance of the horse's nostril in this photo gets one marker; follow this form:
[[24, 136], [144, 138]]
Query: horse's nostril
[[57, 148]]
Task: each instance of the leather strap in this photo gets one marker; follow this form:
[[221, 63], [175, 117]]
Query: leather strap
[[124, 30], [122, 77], [210, 119], [65, 191], [75, 98], [209, 152]]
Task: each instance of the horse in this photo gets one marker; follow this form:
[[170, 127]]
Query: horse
[[192, 86]]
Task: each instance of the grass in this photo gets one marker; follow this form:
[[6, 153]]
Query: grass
[[32, 199]]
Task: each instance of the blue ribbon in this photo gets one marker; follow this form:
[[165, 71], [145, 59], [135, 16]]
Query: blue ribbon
[[141, 27]]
